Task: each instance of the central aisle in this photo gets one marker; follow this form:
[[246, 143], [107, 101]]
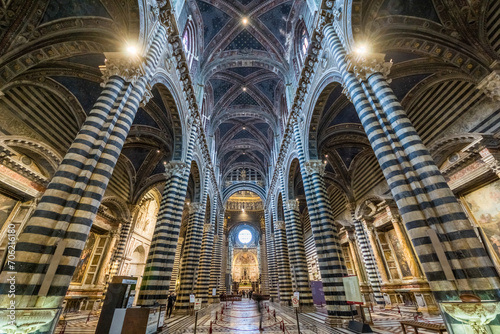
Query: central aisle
[[243, 317]]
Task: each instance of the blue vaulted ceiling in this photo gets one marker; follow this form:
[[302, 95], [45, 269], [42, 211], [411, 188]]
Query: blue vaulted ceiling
[[60, 9], [245, 40], [245, 98], [276, 20], [418, 8], [214, 20], [220, 87], [244, 71]]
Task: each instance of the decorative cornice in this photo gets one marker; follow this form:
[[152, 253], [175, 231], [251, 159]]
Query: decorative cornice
[[167, 18], [129, 68], [492, 159], [7, 161], [363, 66], [315, 167], [490, 85]]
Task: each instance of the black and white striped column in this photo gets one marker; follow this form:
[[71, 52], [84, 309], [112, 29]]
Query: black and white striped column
[[190, 259], [205, 259], [157, 274], [330, 260], [283, 263], [271, 256], [426, 203], [297, 253], [372, 271], [216, 262], [49, 248], [264, 275]]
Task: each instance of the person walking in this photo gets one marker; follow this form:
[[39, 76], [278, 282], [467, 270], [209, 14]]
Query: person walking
[[170, 303], [258, 299]]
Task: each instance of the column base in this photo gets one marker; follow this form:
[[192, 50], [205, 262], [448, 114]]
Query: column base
[[334, 321], [213, 300], [308, 309], [284, 303]]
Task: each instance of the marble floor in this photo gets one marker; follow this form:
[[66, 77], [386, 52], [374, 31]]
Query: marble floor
[[243, 317]]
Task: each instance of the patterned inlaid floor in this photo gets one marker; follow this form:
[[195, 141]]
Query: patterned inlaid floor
[[243, 317]]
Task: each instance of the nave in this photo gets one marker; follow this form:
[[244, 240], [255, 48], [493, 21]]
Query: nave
[[158, 155], [243, 317]]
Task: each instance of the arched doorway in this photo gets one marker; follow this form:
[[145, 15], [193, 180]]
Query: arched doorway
[[244, 226]]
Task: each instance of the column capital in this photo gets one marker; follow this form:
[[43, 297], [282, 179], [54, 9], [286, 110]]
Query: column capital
[[490, 85], [279, 225], [315, 166], [207, 227], [292, 205], [147, 95], [129, 68], [363, 66], [176, 168], [195, 207]]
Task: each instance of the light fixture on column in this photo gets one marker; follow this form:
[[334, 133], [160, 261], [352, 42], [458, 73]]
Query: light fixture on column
[[132, 50], [362, 49]]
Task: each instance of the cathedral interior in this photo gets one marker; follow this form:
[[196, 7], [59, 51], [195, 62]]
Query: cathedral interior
[[343, 151]]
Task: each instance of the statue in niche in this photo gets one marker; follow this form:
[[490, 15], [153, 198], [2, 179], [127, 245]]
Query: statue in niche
[[243, 175]]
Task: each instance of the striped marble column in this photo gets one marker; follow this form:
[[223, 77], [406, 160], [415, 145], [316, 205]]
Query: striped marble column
[[216, 263], [283, 263], [191, 256], [119, 254], [205, 259], [157, 274], [427, 205], [49, 248], [330, 260], [369, 262], [264, 276], [271, 256], [297, 253]]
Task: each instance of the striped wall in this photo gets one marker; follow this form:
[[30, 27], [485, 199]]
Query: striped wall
[[39, 108], [176, 266], [493, 25], [443, 103], [70, 203], [337, 200]]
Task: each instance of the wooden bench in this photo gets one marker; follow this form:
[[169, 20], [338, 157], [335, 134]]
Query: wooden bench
[[417, 324]]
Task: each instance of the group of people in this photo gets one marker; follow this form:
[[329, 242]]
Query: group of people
[[246, 294]]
